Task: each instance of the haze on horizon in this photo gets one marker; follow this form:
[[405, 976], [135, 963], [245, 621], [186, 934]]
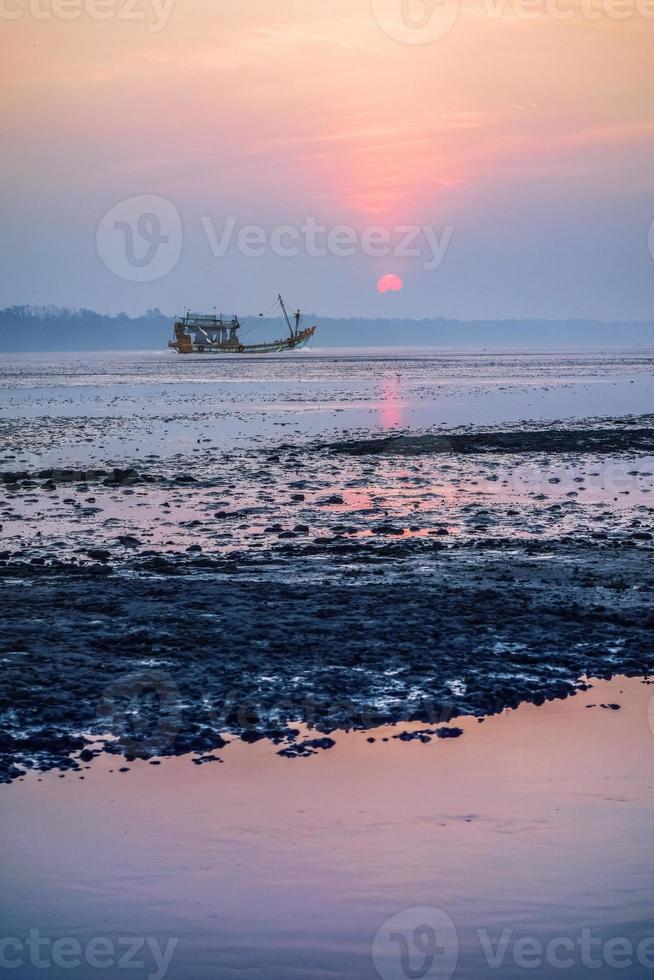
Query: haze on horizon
[[519, 147]]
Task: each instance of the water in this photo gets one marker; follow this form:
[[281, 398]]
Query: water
[[537, 822], [118, 405]]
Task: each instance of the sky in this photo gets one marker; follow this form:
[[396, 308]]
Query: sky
[[495, 155]]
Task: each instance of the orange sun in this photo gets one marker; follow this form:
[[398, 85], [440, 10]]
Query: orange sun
[[390, 283]]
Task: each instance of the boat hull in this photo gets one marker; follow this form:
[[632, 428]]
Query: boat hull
[[183, 344]]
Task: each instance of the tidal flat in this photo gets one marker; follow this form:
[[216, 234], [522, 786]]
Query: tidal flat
[[336, 575], [215, 576]]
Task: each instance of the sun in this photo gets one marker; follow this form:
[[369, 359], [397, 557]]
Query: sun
[[390, 283]]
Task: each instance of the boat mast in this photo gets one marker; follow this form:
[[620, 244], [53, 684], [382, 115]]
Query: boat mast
[[288, 322]]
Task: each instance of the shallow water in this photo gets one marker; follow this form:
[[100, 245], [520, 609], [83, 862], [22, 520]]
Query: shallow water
[[211, 418], [85, 407], [536, 821]]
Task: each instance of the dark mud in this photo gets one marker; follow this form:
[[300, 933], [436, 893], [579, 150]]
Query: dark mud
[[169, 606], [170, 654], [619, 438]]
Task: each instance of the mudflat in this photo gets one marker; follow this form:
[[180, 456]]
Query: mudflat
[[320, 582]]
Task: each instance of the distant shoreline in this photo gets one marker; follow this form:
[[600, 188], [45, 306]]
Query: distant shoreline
[[379, 351], [53, 330]]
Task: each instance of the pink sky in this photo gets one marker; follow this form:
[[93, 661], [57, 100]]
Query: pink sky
[[532, 139]]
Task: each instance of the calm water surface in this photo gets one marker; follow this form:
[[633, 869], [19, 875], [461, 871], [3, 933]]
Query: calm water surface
[[537, 822], [116, 405]]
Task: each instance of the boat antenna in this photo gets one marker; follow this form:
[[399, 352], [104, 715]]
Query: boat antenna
[[288, 322]]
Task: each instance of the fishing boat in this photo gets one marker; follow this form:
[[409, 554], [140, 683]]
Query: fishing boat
[[198, 333]]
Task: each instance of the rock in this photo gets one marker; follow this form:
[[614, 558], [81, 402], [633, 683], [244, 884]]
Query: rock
[[319, 743], [449, 732], [121, 477], [423, 735], [251, 737], [99, 554], [308, 747], [9, 773], [128, 541]]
